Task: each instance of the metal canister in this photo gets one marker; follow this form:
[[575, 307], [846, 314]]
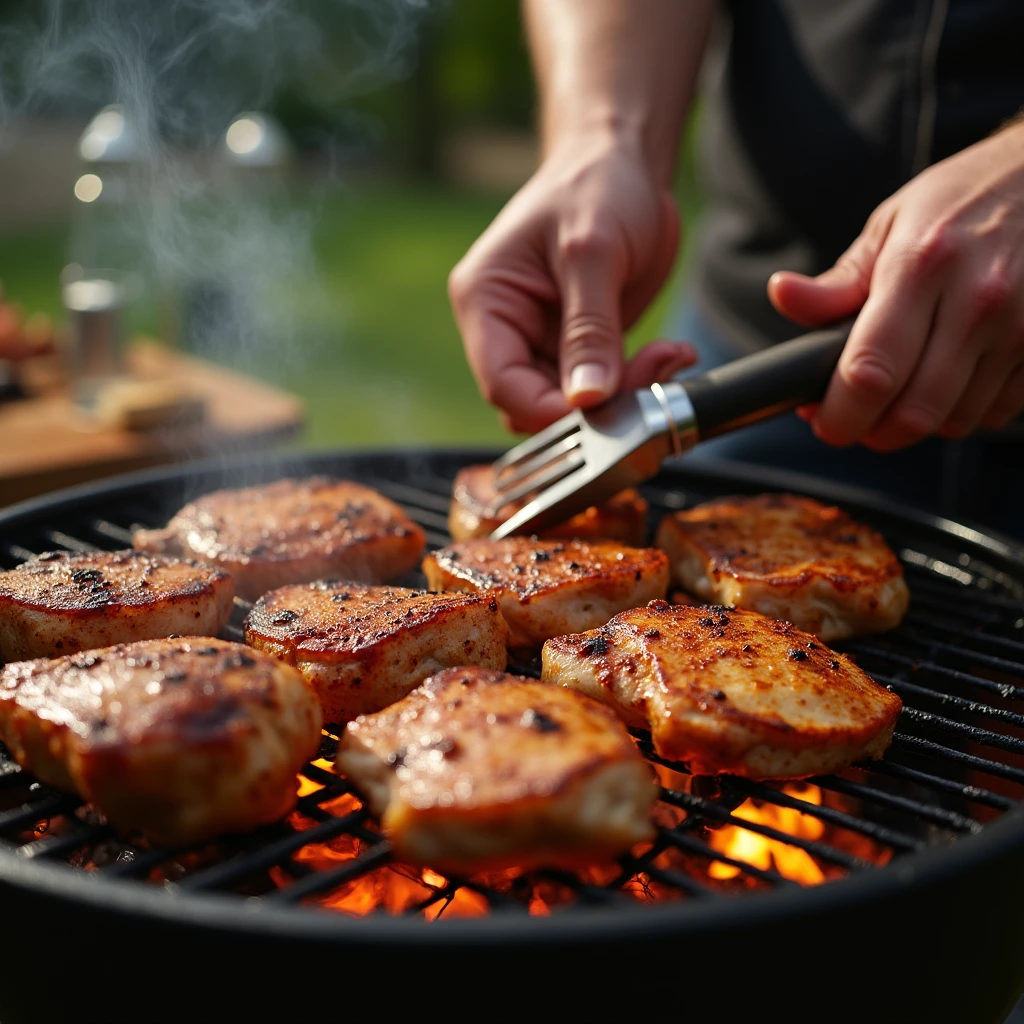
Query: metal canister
[[93, 303]]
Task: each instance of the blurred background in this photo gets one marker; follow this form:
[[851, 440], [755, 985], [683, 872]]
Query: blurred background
[[288, 181]]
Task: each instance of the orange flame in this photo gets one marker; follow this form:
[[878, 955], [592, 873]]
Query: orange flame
[[762, 852]]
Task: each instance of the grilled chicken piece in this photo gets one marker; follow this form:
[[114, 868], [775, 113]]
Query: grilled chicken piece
[[478, 770], [293, 531], [362, 648], [180, 739], [622, 517], [789, 557], [58, 602], [550, 587], [729, 691]]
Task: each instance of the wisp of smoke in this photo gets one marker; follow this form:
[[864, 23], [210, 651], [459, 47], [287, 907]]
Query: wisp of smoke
[[181, 70]]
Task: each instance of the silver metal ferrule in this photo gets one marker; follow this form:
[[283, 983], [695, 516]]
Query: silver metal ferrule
[[679, 414]]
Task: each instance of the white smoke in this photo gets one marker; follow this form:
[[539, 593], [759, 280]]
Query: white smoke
[[181, 70]]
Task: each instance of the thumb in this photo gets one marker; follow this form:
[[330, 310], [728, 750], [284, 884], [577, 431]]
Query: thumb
[[590, 347], [838, 292]]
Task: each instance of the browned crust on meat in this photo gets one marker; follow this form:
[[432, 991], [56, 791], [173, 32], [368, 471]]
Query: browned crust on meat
[[485, 750], [61, 602], [529, 568], [179, 738], [787, 556], [736, 542], [362, 648], [294, 531], [622, 517], [89, 583], [714, 684]]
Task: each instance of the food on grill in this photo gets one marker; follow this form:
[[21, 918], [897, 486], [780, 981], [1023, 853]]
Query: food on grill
[[550, 587], [362, 648], [180, 739], [623, 517], [293, 531], [729, 691], [789, 557], [60, 602], [477, 770]]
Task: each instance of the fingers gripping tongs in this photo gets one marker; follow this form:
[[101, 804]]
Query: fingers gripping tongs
[[586, 457]]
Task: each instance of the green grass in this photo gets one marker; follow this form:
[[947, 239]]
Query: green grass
[[375, 353]]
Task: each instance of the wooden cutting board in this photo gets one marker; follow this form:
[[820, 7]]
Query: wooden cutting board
[[47, 443]]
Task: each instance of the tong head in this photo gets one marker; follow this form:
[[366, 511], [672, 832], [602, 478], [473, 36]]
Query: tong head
[[581, 460]]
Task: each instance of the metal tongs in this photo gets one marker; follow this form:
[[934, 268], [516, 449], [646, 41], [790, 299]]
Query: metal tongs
[[586, 457]]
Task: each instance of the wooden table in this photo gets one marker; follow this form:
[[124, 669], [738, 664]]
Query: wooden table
[[46, 442]]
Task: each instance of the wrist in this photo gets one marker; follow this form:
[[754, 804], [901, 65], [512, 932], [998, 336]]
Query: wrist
[[603, 134]]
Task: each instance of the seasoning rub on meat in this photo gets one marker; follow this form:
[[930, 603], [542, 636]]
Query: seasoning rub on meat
[[180, 739], [729, 691], [60, 602], [477, 770], [362, 648], [293, 531], [622, 517], [549, 587], [789, 557]]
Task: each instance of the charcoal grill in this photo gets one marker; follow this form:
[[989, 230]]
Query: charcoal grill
[[934, 933]]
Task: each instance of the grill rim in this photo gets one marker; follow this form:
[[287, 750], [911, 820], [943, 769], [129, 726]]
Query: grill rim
[[215, 911]]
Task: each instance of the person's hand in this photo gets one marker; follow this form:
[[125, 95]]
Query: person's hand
[[543, 296], [938, 277]]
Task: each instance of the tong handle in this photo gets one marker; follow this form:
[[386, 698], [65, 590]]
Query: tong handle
[[774, 380]]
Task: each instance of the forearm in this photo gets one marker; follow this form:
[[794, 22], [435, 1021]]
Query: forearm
[[622, 69]]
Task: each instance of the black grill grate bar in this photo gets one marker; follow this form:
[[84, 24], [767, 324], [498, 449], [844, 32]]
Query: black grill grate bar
[[61, 539], [941, 586], [667, 838], [1003, 689], [311, 885], [684, 841], [928, 812], [937, 750], [923, 599], [840, 819], [979, 657], [142, 861], [407, 495], [251, 861], [968, 635], [974, 793], [771, 795], [586, 892], [962, 703], [19, 553], [112, 531], [56, 846], [47, 807], [986, 737], [816, 849]]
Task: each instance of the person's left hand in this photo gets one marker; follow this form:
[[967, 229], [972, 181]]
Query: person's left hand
[[938, 277]]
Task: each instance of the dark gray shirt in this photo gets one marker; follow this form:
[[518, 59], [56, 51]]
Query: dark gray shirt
[[818, 110]]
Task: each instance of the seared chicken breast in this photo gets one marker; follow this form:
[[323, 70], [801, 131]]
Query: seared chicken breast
[[789, 557], [293, 531], [179, 739], [622, 517], [362, 648], [729, 691], [476, 770], [549, 587], [60, 602]]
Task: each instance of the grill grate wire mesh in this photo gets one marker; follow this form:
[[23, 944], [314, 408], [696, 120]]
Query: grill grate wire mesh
[[956, 762]]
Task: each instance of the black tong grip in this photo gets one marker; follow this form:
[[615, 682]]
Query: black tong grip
[[761, 385]]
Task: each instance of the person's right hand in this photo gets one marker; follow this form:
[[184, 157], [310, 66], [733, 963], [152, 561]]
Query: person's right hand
[[543, 296]]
